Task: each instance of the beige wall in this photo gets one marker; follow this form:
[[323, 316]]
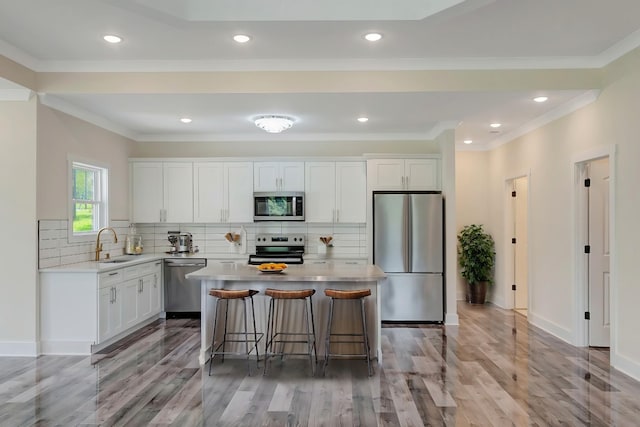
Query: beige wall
[[18, 227], [60, 135], [280, 148], [549, 153]]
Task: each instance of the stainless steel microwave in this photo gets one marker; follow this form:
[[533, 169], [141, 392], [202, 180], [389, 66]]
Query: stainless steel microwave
[[278, 206]]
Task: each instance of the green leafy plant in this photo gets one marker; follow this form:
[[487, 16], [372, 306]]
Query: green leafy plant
[[476, 254]]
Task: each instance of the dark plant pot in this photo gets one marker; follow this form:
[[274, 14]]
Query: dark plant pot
[[477, 292]]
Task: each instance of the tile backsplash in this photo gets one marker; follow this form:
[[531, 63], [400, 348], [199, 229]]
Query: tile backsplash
[[349, 240]]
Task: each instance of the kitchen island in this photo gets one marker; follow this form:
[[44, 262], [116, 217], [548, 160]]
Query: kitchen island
[[303, 276]]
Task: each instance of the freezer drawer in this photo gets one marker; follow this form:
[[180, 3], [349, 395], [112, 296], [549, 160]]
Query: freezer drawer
[[412, 297]]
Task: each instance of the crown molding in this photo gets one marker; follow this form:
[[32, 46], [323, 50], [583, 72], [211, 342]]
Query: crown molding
[[15, 94], [85, 115], [18, 55], [280, 137], [619, 49]]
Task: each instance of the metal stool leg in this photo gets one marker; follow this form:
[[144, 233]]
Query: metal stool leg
[[313, 329], [309, 343], [327, 344], [255, 332], [269, 340], [224, 336], [213, 337]]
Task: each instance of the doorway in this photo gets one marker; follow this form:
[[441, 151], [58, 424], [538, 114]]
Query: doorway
[[518, 232], [597, 251]]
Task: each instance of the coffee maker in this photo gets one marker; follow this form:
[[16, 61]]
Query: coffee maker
[[180, 242]]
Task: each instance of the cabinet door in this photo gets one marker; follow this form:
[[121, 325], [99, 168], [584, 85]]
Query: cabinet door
[[208, 188], [351, 192], [320, 191], [178, 192], [144, 297], [386, 174], [422, 174], [105, 300], [292, 176], [238, 191], [156, 290], [146, 192], [266, 176], [129, 302]]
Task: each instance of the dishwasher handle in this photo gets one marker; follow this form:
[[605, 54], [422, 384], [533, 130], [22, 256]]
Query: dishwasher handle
[[169, 264]]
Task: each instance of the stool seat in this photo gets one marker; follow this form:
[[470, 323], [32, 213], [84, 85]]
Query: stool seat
[[351, 294], [230, 294], [292, 294]]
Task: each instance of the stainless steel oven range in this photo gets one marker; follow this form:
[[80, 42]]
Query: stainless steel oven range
[[287, 248]]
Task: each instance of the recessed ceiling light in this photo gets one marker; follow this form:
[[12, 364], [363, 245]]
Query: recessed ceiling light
[[186, 120], [541, 98], [112, 38], [373, 37], [495, 125], [467, 141], [363, 119], [241, 38]]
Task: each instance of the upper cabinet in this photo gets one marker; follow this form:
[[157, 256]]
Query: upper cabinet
[[278, 176], [223, 192], [335, 192], [162, 192], [404, 174]]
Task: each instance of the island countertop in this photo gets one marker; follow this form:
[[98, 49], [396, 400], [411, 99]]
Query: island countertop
[[293, 273]]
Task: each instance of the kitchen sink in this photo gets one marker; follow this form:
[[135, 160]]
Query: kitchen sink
[[118, 260]]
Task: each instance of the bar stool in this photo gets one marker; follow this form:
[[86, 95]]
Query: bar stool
[[351, 295], [276, 312], [227, 295]]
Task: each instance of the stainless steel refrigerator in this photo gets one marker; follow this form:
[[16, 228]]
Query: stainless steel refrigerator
[[408, 245]]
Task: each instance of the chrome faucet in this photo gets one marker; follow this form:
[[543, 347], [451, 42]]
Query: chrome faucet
[[99, 245]]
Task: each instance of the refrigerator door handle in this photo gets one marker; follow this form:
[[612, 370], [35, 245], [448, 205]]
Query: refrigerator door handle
[[409, 239], [406, 224]]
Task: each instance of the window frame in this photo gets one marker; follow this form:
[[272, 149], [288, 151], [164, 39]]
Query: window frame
[[101, 193]]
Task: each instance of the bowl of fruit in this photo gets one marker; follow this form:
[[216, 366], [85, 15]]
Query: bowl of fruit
[[272, 267]]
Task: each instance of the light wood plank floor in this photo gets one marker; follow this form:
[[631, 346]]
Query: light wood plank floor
[[481, 373]]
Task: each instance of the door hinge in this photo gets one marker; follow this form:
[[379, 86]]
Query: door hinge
[[513, 287], [587, 182], [587, 315], [587, 249], [513, 240], [513, 194]]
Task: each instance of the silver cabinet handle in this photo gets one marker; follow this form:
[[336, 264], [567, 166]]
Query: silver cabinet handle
[[402, 178], [406, 180], [337, 215], [113, 274], [140, 285]]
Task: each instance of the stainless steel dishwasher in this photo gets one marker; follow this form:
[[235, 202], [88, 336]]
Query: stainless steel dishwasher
[[182, 295]]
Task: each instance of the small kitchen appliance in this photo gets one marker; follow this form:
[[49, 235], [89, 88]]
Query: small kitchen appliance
[[180, 242], [278, 206], [278, 248]]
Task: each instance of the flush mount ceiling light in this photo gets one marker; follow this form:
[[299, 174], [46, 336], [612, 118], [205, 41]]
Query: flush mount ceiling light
[[363, 119], [541, 98], [186, 120], [241, 38], [273, 124], [112, 38], [495, 125], [373, 37]]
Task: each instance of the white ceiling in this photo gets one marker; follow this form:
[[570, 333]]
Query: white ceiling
[[195, 35]]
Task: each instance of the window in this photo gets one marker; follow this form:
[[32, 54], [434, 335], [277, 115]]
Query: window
[[88, 191]]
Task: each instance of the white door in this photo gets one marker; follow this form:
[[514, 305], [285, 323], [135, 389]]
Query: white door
[[421, 174], [178, 192], [146, 192], [238, 191], [105, 300], [156, 290], [385, 174], [208, 188], [266, 176], [292, 176], [521, 268], [351, 192], [129, 302], [144, 297], [599, 323], [320, 192]]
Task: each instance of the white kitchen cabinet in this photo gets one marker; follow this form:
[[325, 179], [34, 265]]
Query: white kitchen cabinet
[[404, 174], [278, 176], [335, 192], [104, 306], [223, 192], [162, 192]]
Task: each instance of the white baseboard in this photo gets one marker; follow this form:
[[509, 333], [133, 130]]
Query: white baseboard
[[19, 348], [451, 319], [626, 365], [67, 348], [551, 327]]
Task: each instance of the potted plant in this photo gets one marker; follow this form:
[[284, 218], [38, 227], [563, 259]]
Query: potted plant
[[476, 257]]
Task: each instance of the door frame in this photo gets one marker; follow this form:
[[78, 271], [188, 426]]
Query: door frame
[[580, 270], [508, 270]]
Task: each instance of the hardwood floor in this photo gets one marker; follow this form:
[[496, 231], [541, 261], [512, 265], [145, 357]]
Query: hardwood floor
[[481, 373]]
